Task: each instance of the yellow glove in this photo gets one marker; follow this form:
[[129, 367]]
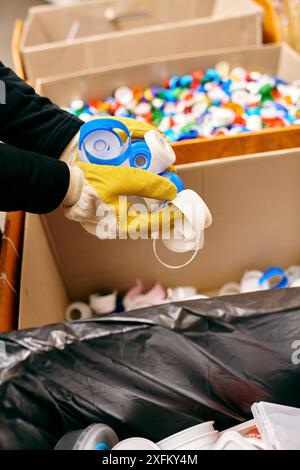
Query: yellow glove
[[110, 182], [136, 128], [94, 194]]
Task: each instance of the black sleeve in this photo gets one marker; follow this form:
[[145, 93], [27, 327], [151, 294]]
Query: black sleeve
[[31, 122], [31, 182]]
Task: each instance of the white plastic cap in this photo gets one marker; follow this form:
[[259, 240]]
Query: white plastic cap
[[197, 218]]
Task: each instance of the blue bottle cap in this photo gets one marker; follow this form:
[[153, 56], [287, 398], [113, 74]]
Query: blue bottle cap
[[101, 446], [275, 272], [291, 118], [104, 125], [226, 86], [171, 135], [216, 103], [191, 134], [211, 76], [175, 179], [174, 81], [253, 111], [280, 107], [280, 81], [140, 156], [185, 80], [169, 96]]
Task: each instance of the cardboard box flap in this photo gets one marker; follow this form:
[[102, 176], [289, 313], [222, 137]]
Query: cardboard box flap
[[255, 225], [100, 82], [73, 51], [254, 202], [43, 297], [51, 24], [236, 7]]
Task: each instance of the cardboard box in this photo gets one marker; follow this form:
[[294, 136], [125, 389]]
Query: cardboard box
[[254, 202], [278, 60], [173, 26]]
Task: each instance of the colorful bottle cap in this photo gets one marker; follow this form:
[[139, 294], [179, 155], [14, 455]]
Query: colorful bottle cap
[[123, 95], [194, 97], [275, 274], [175, 179]]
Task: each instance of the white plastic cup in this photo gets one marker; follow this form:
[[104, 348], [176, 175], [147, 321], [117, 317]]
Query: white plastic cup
[[232, 440], [103, 304], [201, 443], [191, 436], [136, 443]]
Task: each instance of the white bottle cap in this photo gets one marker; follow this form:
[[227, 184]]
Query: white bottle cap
[[197, 218], [142, 109], [221, 116], [77, 104], [78, 311], [190, 234], [238, 73], [254, 123], [102, 304], [162, 153], [231, 288], [101, 144], [223, 69], [123, 95], [181, 293], [250, 282]]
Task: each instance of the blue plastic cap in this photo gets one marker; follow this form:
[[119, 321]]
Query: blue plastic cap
[[212, 76], [107, 125], [275, 272], [185, 80], [140, 150], [174, 81], [101, 446]]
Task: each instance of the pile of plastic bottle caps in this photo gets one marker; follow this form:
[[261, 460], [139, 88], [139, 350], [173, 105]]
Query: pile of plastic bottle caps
[[219, 101]]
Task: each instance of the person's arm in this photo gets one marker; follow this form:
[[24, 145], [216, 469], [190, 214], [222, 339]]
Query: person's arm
[[31, 122], [31, 182]]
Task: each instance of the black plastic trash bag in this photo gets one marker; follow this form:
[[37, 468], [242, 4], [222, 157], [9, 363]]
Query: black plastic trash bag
[[152, 372]]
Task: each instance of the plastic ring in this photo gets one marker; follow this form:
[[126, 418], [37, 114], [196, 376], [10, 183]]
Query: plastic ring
[[171, 266], [274, 272]]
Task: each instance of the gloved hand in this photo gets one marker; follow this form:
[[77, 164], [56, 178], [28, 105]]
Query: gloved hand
[[95, 188]]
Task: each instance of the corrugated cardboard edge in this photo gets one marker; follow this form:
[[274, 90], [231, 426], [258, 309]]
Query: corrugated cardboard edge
[[253, 200], [39, 296], [10, 262], [189, 151], [251, 9]]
